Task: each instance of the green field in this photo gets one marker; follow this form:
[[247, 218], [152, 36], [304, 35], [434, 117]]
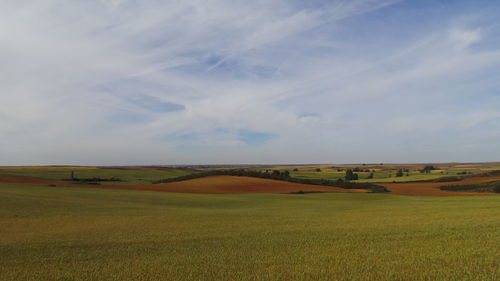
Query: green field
[[128, 175], [387, 173], [391, 178], [378, 176], [51, 233]]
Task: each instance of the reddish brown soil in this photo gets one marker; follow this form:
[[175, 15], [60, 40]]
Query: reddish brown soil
[[432, 188], [216, 184], [232, 184]]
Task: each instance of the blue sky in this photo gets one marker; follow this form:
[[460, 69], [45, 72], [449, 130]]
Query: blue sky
[[119, 82]]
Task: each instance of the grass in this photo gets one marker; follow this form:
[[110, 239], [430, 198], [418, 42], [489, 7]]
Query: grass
[[128, 176], [95, 234]]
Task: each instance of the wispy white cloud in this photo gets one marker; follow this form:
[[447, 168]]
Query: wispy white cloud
[[464, 38], [152, 82]]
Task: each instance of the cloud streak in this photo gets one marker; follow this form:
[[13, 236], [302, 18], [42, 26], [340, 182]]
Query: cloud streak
[[167, 82]]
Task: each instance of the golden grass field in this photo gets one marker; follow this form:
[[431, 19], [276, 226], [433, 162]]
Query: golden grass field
[[96, 234], [240, 228]]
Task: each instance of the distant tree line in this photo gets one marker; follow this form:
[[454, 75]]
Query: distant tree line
[[478, 187], [360, 170], [93, 180], [492, 173]]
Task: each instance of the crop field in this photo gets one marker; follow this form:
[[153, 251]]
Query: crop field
[[232, 185], [378, 176], [249, 140], [214, 184], [242, 228], [126, 175], [432, 188], [52, 233], [386, 173], [139, 178]]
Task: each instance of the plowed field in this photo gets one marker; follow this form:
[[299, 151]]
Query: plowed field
[[215, 185], [232, 184], [432, 188]]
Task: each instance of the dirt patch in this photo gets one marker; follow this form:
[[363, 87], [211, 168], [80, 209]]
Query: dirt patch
[[432, 188]]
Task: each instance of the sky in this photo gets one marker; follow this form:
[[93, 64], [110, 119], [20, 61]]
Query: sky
[[150, 82]]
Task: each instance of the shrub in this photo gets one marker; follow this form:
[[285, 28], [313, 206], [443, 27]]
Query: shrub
[[496, 188]]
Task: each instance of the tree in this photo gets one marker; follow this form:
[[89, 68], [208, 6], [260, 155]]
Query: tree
[[427, 169], [349, 175], [295, 170], [318, 170], [370, 176], [399, 173]]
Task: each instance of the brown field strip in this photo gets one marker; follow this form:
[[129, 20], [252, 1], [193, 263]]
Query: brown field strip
[[215, 184], [233, 184], [11, 179], [432, 188]]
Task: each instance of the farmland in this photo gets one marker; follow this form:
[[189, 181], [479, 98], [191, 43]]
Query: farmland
[[387, 173], [129, 175], [242, 228], [97, 234], [433, 188], [298, 178], [232, 184], [145, 175]]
